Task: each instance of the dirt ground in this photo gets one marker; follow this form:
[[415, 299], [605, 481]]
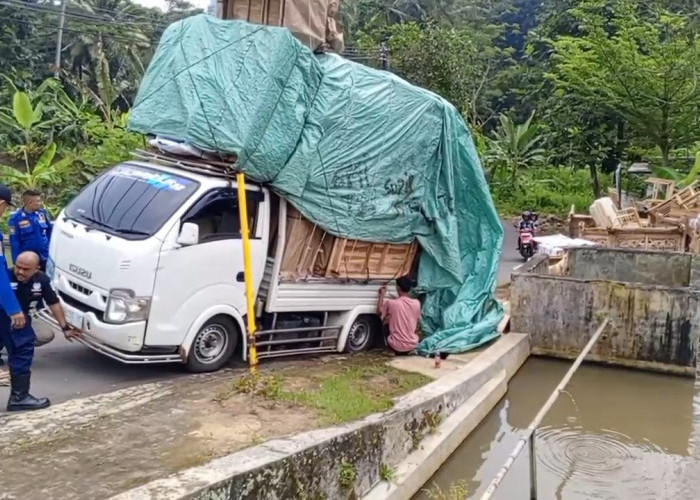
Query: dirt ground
[[94, 452]]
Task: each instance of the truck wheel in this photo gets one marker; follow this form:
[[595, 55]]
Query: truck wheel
[[213, 345], [362, 334]]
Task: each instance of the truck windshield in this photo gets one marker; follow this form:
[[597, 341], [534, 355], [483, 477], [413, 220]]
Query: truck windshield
[[130, 200]]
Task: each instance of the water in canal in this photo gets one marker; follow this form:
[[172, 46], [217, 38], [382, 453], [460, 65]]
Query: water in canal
[[615, 434]]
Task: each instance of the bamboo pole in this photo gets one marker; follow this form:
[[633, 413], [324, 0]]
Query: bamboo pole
[[529, 433]]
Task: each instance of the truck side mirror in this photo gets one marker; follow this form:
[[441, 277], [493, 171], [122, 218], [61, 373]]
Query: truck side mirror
[[189, 234]]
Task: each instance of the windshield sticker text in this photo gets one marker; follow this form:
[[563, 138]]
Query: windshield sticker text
[[158, 181]]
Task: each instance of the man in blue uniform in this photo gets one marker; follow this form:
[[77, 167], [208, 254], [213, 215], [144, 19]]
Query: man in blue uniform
[[30, 228], [9, 307], [33, 289]]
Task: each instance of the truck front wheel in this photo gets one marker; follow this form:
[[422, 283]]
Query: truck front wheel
[[213, 345], [363, 333]]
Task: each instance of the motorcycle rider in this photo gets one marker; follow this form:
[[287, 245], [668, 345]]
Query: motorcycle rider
[[525, 223]]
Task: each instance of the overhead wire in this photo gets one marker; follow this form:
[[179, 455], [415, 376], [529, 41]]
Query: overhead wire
[[120, 18], [79, 31], [92, 24]]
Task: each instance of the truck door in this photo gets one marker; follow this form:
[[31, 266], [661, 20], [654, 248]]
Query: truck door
[[192, 279]]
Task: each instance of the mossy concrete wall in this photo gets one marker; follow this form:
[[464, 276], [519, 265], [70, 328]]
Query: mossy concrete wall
[[346, 461], [651, 327], [639, 266]]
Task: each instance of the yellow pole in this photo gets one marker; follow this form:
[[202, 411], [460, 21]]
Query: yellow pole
[[247, 271]]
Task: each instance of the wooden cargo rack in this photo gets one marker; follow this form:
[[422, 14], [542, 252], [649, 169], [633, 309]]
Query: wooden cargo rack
[[311, 252]]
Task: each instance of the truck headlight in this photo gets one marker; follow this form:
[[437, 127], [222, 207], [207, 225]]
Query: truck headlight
[[124, 307]]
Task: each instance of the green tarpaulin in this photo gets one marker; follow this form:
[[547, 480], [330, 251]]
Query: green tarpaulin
[[359, 151]]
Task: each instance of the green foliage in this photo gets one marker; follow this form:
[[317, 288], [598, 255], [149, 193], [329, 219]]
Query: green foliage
[[457, 491], [611, 80], [551, 190], [460, 64], [512, 148], [46, 172], [677, 176], [85, 142], [639, 62], [348, 475]]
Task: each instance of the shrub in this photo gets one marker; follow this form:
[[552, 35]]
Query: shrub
[[549, 190]]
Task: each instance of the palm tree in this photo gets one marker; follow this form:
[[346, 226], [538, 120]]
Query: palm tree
[[107, 56]]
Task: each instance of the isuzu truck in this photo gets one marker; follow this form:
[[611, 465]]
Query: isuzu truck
[[148, 261]]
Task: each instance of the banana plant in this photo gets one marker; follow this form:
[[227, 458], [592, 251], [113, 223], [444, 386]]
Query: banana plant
[[27, 112], [26, 117], [514, 146], [674, 175], [44, 172]]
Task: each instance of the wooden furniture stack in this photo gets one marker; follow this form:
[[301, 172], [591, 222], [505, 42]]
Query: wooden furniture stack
[[671, 225], [681, 204], [311, 253]]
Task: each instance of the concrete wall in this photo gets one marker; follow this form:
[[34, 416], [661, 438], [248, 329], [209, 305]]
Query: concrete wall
[[345, 462], [638, 266], [650, 327]]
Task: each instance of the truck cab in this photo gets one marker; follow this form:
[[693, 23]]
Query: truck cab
[[148, 261]]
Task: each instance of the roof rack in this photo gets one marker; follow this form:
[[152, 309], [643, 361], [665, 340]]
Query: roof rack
[[205, 167]]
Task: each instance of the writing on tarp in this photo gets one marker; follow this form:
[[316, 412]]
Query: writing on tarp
[[351, 177], [408, 206], [402, 185]]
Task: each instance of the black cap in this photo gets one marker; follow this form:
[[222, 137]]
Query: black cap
[[6, 194]]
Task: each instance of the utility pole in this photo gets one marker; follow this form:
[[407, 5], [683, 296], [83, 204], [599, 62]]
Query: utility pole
[[59, 41]]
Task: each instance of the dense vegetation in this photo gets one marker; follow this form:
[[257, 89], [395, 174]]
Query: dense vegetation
[[557, 92]]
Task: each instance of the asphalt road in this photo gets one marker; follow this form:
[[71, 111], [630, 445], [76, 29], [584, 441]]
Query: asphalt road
[[510, 258], [64, 370]]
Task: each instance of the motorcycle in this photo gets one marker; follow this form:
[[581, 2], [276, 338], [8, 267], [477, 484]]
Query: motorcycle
[[527, 243]]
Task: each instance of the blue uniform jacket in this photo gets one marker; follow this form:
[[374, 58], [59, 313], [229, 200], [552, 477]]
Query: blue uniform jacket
[[8, 300], [30, 232]]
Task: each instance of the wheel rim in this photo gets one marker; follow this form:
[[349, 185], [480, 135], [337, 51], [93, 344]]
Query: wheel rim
[[210, 344], [359, 335]]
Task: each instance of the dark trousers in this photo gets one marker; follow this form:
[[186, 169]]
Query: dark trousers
[[19, 344]]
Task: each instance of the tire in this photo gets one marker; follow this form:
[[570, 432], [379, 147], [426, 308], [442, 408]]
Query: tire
[[363, 334], [213, 345]]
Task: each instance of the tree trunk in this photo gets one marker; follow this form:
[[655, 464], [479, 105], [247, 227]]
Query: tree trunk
[[595, 183], [665, 153]]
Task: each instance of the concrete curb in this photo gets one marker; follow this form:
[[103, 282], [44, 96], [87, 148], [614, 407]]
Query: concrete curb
[[345, 461], [420, 465]]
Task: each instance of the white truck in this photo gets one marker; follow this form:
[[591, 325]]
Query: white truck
[[148, 261]]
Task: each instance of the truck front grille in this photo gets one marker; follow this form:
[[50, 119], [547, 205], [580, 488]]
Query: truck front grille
[[80, 306], [83, 290]]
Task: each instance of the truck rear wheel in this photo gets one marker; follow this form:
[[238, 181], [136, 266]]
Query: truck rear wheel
[[363, 333], [213, 345]]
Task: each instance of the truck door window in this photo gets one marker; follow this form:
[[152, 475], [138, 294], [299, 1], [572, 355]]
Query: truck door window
[[217, 215]]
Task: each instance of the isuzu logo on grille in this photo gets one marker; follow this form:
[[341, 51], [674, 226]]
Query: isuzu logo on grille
[[79, 271]]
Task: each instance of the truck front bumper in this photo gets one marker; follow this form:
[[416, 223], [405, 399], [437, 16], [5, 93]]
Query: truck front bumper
[[95, 333]]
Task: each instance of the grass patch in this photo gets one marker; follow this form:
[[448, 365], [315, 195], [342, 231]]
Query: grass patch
[[457, 491], [387, 473], [348, 475], [356, 392], [339, 392]]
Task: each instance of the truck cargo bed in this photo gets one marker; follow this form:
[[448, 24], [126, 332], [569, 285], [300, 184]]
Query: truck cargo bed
[[315, 294]]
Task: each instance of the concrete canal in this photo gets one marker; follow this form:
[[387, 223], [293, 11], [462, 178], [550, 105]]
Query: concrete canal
[[615, 434]]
